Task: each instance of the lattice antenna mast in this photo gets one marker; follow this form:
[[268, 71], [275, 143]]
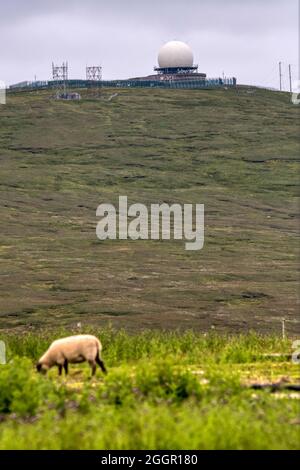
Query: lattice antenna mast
[[94, 77], [94, 74], [60, 75]]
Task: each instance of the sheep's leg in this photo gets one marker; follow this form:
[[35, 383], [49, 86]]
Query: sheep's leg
[[60, 369], [93, 366], [66, 367], [101, 364]]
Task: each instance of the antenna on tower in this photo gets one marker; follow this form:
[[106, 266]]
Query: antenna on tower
[[94, 78], [60, 77], [280, 75], [290, 76]]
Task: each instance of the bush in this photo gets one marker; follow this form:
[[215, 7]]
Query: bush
[[156, 381], [24, 392], [118, 387], [164, 380], [20, 391]]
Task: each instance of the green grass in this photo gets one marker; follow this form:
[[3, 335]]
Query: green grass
[[164, 390], [237, 153]]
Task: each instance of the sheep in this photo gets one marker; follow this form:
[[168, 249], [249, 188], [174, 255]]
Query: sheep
[[72, 350]]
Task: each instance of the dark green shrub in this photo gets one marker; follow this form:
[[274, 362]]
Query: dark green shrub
[[21, 390], [164, 380]]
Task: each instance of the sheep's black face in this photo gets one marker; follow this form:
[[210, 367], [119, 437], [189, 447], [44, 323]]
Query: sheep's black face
[[40, 368]]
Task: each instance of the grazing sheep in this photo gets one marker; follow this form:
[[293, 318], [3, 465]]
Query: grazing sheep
[[72, 350]]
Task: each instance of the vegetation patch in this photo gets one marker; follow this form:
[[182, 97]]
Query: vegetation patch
[[163, 390]]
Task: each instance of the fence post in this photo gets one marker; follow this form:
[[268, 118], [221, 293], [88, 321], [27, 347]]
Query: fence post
[[283, 328]]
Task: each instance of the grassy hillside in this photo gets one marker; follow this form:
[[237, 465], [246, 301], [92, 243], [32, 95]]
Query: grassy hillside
[[236, 151]]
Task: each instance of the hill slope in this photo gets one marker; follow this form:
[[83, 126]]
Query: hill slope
[[235, 151]]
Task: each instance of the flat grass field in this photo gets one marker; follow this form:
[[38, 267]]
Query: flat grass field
[[163, 390], [192, 340]]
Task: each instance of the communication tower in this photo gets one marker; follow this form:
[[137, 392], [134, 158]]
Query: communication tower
[[60, 76], [94, 78]]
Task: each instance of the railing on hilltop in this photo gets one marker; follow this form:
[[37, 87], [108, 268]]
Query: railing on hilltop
[[184, 83]]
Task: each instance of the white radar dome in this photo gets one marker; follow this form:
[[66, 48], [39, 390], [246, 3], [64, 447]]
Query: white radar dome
[[175, 54]]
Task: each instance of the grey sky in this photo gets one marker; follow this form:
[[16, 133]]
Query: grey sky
[[242, 38]]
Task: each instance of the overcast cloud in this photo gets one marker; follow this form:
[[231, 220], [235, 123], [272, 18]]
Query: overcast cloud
[[245, 38]]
